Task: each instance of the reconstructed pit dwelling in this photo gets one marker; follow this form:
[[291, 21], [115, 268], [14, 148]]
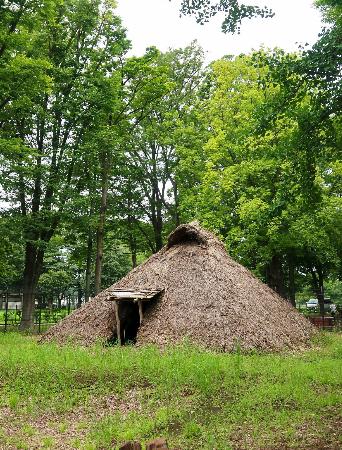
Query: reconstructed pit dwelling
[[190, 289]]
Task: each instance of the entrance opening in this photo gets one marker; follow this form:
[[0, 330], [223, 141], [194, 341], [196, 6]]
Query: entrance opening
[[130, 321], [129, 305]]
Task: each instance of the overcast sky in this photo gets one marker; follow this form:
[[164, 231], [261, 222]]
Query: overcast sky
[[157, 22]]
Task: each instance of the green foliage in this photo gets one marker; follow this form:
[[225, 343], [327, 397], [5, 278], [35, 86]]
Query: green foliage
[[102, 151], [268, 171], [233, 11], [11, 249], [333, 289], [61, 67], [116, 262], [55, 282], [146, 183]]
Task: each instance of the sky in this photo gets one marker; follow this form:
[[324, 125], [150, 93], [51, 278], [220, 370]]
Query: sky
[[157, 22]]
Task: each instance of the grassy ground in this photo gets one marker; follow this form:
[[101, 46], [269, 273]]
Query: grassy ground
[[67, 398]]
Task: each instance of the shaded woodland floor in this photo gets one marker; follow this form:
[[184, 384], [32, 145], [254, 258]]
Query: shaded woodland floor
[[97, 398]]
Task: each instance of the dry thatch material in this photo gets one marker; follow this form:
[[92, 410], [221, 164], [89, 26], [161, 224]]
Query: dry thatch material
[[208, 298]]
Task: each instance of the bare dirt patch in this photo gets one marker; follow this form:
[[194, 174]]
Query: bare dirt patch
[[61, 431], [309, 436]]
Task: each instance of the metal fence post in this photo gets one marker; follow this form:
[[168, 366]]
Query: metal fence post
[[6, 310]]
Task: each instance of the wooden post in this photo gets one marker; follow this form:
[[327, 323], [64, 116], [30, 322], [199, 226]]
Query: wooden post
[[140, 311], [117, 318]]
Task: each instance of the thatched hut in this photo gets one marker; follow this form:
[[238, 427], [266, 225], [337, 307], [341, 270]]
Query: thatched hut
[[190, 289]]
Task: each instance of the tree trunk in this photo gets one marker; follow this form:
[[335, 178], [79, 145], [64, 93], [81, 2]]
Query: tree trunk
[[132, 241], [158, 228], [320, 293], [88, 267], [318, 283], [33, 266], [101, 225], [156, 204], [275, 276], [134, 259], [27, 316], [176, 197], [157, 218], [79, 296], [292, 286]]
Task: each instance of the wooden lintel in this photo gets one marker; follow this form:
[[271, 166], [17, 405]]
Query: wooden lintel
[[137, 289], [127, 299], [129, 294]]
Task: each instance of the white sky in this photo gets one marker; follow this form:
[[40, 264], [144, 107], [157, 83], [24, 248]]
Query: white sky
[[157, 22]]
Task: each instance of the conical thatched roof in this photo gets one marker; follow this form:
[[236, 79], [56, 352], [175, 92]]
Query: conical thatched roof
[[207, 297]]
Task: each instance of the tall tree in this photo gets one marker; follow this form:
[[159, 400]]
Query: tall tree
[[140, 84], [151, 149], [264, 172], [83, 42]]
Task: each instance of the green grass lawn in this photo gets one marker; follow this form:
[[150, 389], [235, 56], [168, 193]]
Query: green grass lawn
[[97, 398]]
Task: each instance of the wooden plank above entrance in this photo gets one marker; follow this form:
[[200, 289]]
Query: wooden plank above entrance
[[132, 294]]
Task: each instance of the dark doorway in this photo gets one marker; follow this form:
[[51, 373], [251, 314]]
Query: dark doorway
[[130, 321]]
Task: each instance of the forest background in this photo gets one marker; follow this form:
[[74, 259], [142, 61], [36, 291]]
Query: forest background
[[102, 155]]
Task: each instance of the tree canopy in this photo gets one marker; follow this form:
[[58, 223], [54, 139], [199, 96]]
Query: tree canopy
[[103, 154], [233, 12]]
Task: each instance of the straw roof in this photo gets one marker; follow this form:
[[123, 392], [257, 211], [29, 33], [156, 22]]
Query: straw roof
[[207, 298]]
